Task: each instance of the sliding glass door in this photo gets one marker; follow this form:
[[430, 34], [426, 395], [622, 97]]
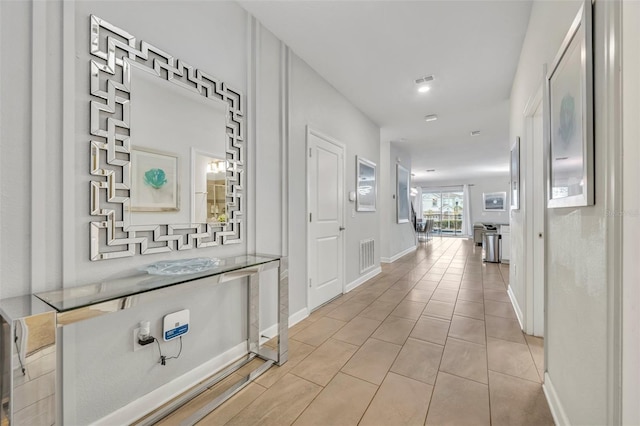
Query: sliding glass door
[[445, 208]]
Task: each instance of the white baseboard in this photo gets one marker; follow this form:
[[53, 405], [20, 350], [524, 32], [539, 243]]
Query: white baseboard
[[293, 320], [516, 307], [156, 398], [362, 279], [557, 411], [149, 402], [398, 256], [298, 316]]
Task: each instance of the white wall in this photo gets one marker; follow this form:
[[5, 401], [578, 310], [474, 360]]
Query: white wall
[[630, 214], [289, 97], [315, 103], [548, 24], [578, 291], [101, 371], [17, 127], [211, 37], [50, 251], [400, 237]]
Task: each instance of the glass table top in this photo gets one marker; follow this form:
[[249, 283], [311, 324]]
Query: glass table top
[[173, 273]]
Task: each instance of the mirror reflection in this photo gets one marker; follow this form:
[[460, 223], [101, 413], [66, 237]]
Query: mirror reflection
[[210, 188]]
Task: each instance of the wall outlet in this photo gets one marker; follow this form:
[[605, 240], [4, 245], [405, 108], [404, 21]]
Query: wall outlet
[[137, 346]]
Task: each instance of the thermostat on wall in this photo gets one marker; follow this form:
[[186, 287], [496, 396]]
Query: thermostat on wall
[[175, 325]]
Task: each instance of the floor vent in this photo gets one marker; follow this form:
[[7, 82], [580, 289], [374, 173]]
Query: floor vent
[[367, 252]]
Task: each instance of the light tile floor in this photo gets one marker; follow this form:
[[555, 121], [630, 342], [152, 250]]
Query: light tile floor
[[431, 340]]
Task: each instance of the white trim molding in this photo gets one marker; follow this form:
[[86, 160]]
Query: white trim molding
[[398, 255], [516, 307], [272, 331], [298, 316], [362, 279], [557, 411], [154, 399]]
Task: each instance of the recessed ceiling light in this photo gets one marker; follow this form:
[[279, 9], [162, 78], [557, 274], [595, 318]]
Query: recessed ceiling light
[[430, 117], [430, 170], [424, 89], [475, 132]]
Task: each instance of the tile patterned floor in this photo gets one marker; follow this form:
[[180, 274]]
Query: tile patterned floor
[[431, 340]]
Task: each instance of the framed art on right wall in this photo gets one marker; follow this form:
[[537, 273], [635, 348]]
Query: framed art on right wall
[[494, 201], [569, 118], [515, 175], [402, 194]]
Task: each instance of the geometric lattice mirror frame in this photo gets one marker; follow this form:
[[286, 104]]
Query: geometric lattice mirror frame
[[112, 235]]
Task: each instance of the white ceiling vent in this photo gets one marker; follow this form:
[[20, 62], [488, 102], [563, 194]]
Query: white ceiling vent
[[425, 79], [430, 117]]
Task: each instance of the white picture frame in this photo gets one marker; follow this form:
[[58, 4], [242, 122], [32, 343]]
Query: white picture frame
[[154, 181], [402, 194], [366, 185], [494, 201], [569, 118], [514, 171]]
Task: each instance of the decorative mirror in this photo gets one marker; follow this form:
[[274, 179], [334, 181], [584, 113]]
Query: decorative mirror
[[166, 152]]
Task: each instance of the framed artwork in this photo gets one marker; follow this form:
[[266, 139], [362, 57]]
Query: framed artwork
[[402, 194], [515, 175], [367, 185], [570, 117], [494, 201], [154, 181]]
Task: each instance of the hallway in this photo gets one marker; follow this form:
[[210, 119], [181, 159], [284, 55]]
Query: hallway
[[433, 339]]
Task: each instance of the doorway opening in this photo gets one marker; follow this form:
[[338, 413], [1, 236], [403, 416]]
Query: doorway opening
[[445, 208]]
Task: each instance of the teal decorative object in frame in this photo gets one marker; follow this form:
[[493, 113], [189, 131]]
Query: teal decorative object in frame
[[155, 178], [154, 181]]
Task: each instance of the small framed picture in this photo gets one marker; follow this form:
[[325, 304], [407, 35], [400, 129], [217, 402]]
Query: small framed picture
[[367, 185], [402, 194], [494, 201], [515, 175], [154, 181]]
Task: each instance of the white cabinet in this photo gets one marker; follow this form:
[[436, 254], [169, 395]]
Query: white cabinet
[[505, 231]]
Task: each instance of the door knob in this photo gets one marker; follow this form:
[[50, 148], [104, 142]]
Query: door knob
[[342, 228]]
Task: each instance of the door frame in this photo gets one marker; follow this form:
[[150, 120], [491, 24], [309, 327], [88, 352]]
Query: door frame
[[312, 131], [536, 101]]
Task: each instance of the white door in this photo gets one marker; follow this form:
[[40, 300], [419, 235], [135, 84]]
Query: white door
[[535, 211], [325, 167], [539, 210]]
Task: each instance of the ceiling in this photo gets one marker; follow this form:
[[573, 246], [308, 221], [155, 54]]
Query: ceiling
[[373, 51]]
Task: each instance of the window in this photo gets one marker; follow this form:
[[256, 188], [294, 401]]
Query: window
[[445, 208]]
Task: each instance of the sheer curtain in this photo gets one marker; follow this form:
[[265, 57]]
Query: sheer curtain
[[417, 202], [467, 228]]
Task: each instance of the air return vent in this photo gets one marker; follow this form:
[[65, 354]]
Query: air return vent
[[367, 253]]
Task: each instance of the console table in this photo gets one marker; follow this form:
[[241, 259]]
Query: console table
[[29, 324]]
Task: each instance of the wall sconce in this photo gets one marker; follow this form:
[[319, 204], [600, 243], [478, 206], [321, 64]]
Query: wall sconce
[[217, 167]]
